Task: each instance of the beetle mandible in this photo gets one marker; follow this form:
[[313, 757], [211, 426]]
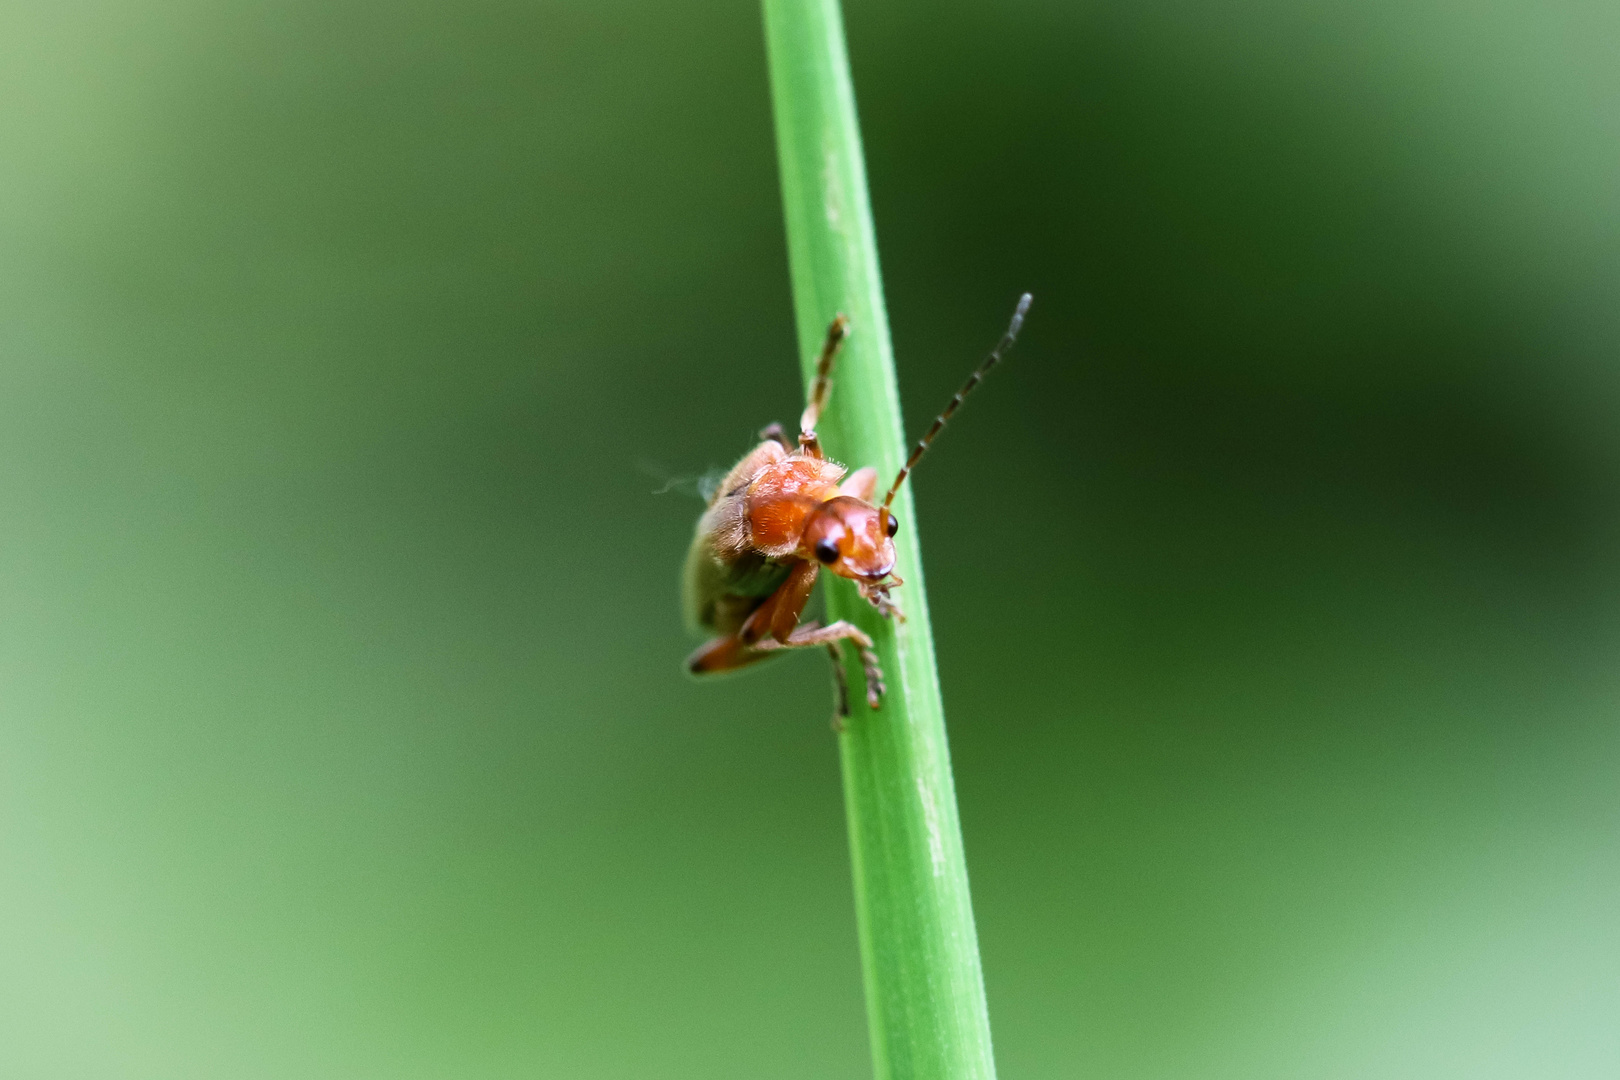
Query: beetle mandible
[[781, 514]]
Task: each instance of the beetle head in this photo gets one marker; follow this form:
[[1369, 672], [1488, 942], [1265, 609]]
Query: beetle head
[[852, 538]]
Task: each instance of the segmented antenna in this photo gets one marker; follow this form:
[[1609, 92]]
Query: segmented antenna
[[990, 361]]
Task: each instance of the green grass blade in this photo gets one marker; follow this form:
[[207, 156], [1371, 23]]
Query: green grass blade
[[919, 953]]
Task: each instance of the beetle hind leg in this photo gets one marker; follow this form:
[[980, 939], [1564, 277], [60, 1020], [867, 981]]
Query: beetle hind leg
[[811, 634], [723, 654], [777, 434]]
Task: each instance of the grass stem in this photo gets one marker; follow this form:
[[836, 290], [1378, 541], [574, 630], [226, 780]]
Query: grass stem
[[919, 953]]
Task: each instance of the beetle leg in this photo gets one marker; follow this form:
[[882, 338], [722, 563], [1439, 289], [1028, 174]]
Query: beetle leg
[[780, 611], [723, 654], [731, 652], [790, 599], [774, 626], [773, 620], [806, 636], [820, 387], [745, 646], [878, 596], [840, 688], [774, 433]]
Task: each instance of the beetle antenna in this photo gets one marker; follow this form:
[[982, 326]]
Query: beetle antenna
[[1001, 349]]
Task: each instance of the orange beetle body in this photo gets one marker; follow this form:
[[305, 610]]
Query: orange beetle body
[[782, 514]]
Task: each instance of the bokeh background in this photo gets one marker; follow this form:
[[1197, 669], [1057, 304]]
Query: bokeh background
[[343, 732]]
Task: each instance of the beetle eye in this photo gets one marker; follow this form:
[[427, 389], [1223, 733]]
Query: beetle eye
[[894, 524], [826, 551]]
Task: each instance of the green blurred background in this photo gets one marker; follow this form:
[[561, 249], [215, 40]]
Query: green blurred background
[[343, 731]]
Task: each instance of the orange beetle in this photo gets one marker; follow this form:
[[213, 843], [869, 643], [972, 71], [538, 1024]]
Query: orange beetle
[[779, 516]]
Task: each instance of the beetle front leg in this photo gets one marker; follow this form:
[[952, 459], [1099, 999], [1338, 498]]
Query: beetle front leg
[[878, 596]]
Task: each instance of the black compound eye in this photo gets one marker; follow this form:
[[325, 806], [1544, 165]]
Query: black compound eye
[[894, 524], [826, 551]]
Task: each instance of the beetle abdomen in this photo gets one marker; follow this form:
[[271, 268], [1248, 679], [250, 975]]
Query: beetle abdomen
[[719, 596]]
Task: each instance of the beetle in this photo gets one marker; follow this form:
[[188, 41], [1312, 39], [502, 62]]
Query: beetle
[[783, 513]]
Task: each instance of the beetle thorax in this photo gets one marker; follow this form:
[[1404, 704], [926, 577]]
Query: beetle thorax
[[782, 498]]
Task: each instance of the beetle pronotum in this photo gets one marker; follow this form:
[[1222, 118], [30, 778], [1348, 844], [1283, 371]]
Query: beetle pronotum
[[781, 514]]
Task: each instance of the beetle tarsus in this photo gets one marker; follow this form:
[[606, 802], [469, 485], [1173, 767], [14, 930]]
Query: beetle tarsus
[[840, 688], [878, 596], [775, 433], [832, 634], [874, 678]]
